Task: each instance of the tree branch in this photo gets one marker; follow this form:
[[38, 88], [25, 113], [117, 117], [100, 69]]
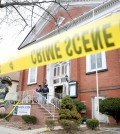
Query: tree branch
[[32, 14], [20, 15], [38, 15], [27, 3], [15, 4], [24, 3], [49, 14]]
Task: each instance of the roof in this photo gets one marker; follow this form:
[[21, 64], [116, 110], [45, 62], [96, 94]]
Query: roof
[[14, 76], [99, 5], [52, 8]]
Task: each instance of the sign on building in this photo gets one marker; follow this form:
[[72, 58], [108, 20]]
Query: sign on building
[[22, 110]]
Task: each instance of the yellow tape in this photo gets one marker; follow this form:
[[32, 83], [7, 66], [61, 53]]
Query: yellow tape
[[12, 110], [97, 36]]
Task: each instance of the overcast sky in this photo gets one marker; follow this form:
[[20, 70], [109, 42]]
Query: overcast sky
[[11, 36], [10, 41]]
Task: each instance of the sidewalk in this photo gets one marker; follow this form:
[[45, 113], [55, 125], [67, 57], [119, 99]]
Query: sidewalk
[[35, 131], [104, 130], [11, 130]]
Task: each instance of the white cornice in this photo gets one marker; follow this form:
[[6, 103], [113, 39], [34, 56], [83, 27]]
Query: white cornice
[[81, 2]]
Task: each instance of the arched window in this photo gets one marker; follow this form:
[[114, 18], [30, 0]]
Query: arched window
[[60, 69], [56, 70]]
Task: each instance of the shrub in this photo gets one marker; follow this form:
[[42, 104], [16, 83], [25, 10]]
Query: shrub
[[5, 115], [50, 124], [69, 126], [67, 103], [92, 123], [111, 107], [69, 118], [79, 105], [30, 119]]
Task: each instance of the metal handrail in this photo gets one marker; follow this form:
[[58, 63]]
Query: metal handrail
[[29, 96], [10, 102], [45, 103], [56, 102], [26, 96]]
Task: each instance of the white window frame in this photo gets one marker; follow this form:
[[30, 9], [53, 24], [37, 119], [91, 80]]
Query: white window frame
[[88, 63], [64, 65], [29, 76], [57, 67]]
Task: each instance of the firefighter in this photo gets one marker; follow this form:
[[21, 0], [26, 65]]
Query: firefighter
[[4, 89]]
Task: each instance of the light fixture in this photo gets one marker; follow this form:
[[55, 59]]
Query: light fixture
[[66, 78], [45, 81]]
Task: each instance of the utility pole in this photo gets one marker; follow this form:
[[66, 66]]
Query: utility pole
[[97, 87], [97, 84]]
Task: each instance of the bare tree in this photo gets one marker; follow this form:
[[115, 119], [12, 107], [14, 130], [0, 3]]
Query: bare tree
[[24, 12]]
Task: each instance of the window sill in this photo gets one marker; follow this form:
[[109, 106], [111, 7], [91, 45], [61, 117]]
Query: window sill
[[92, 72], [30, 84]]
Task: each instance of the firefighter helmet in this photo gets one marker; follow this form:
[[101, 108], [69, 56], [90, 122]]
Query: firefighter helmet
[[7, 79]]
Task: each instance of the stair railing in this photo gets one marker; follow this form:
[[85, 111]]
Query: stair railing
[[50, 105], [56, 102], [45, 103], [10, 102], [26, 96]]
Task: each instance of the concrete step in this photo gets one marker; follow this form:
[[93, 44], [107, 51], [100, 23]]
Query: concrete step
[[51, 110], [56, 114], [51, 118]]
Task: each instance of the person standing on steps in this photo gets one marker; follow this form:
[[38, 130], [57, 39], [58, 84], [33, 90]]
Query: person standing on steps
[[45, 92], [39, 93]]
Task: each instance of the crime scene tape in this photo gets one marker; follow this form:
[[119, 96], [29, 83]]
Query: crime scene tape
[[18, 102], [99, 35]]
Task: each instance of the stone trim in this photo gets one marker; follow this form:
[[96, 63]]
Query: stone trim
[[93, 72]]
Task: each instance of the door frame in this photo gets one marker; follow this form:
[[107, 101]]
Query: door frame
[[93, 107]]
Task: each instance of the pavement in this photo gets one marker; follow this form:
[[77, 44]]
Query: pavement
[[111, 130], [10, 130]]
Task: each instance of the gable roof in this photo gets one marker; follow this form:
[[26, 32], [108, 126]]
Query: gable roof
[[80, 20]]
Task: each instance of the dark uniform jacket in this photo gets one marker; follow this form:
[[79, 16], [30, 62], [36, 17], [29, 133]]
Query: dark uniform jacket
[[3, 91], [39, 89], [45, 90]]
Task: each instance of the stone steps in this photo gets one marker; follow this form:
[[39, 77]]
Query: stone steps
[[47, 115]]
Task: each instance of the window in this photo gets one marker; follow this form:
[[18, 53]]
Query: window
[[91, 62], [64, 69], [57, 70], [60, 21], [32, 75]]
